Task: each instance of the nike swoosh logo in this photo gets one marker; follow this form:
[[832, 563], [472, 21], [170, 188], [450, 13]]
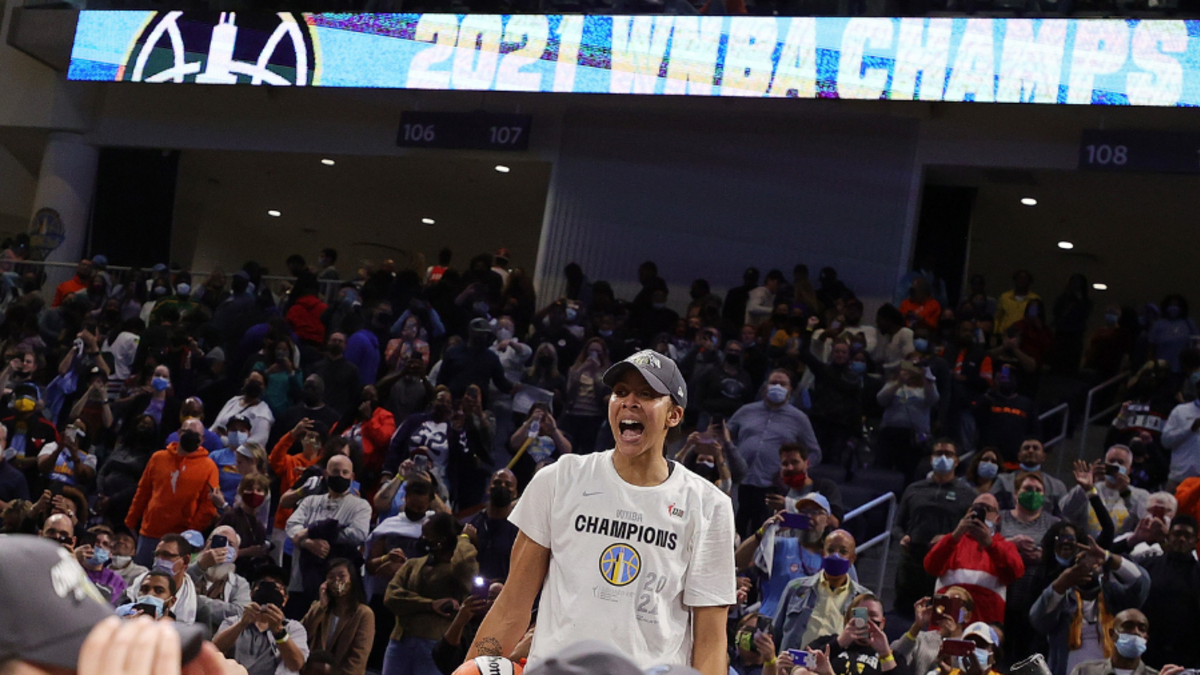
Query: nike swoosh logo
[[591, 494]]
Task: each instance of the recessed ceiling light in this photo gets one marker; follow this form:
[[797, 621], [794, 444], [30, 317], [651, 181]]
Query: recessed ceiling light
[[502, 169], [328, 162], [1029, 201], [273, 213], [427, 221], [1100, 287], [1066, 245]]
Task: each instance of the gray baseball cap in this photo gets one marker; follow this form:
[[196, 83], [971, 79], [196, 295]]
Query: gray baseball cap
[[50, 606], [592, 657], [660, 371]]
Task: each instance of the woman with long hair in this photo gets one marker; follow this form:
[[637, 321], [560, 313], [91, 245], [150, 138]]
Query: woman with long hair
[[340, 621], [587, 396]]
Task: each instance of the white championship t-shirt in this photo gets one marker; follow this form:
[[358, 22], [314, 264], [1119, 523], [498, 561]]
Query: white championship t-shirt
[[626, 562]]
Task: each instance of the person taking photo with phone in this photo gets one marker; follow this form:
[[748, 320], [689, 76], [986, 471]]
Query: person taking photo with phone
[[861, 648], [938, 618], [788, 546], [978, 558], [262, 639]]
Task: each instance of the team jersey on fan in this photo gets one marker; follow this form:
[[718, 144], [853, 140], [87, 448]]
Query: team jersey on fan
[[626, 562]]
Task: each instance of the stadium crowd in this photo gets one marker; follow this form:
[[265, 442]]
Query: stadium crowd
[[319, 474]]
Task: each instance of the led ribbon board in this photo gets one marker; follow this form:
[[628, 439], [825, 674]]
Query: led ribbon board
[[1065, 61]]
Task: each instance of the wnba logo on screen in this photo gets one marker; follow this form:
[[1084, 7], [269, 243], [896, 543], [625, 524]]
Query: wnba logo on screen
[[223, 48]]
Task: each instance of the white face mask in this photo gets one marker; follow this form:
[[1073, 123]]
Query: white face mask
[[120, 562]]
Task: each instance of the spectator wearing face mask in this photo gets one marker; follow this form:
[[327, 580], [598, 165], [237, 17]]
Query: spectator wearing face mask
[[262, 639], [425, 594], [1110, 480], [815, 605], [929, 508], [758, 430], [783, 554], [171, 556], [1172, 333], [1025, 526], [1006, 418], [94, 554], [175, 492], [124, 545], [242, 517], [708, 456], [340, 620], [1031, 458], [978, 558], [311, 406], [1150, 532], [250, 405], [1130, 635], [490, 530], [335, 523], [341, 377], [920, 648], [28, 433], [220, 591], [1173, 603], [795, 483], [155, 598], [1077, 610]]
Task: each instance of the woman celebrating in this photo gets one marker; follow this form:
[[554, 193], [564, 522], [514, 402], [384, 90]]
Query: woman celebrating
[[340, 622], [623, 545]]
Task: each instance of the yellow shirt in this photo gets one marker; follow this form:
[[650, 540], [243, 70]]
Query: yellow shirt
[[828, 615], [1010, 309]]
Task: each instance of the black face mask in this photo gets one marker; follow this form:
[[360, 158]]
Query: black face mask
[[189, 441], [252, 389], [338, 484], [500, 497], [310, 397], [734, 360], [336, 351], [1007, 388], [545, 361], [144, 436]]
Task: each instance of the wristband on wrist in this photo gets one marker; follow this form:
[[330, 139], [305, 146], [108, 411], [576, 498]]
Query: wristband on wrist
[[890, 658], [759, 533], [281, 637], [770, 662]]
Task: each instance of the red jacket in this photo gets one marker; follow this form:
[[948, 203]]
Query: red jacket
[[304, 316], [986, 573], [174, 494]]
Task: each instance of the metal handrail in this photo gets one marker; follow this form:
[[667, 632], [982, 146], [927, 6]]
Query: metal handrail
[[125, 268], [1088, 417], [885, 538], [1062, 431]]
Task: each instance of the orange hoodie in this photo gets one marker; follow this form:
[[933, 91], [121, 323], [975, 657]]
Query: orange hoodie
[[289, 469], [174, 494]]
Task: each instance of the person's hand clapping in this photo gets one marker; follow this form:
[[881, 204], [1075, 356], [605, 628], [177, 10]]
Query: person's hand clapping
[[1084, 476], [923, 613]]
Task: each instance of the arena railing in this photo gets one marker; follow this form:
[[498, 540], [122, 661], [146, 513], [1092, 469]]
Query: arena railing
[[1089, 416], [884, 539]]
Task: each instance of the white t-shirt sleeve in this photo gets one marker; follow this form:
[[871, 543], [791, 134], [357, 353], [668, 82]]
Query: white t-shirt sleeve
[[711, 575], [48, 449], [533, 510]]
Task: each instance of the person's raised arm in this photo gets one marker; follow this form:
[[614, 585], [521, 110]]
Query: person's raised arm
[[508, 619]]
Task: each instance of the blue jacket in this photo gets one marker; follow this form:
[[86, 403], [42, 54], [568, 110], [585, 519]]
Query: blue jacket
[[1051, 615], [796, 608]]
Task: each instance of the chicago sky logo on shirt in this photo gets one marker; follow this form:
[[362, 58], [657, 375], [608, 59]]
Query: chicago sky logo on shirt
[[620, 564]]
